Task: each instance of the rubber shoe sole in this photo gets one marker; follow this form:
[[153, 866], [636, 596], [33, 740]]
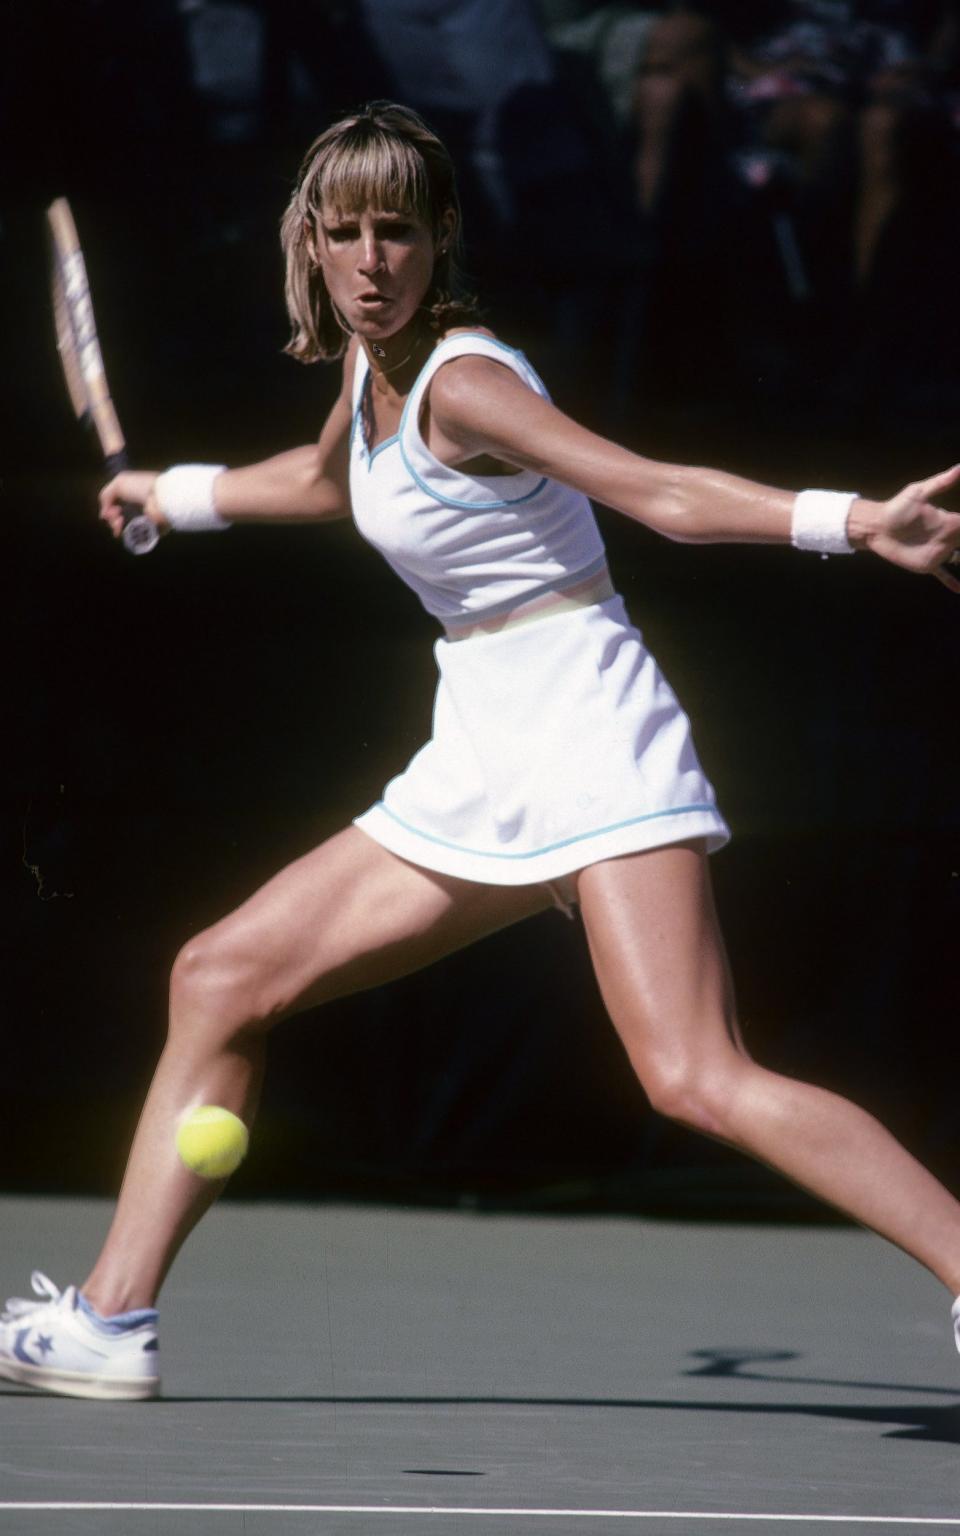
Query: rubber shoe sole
[[80, 1384]]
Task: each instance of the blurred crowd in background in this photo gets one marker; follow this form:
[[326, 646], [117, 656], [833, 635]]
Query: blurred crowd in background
[[794, 164], [679, 208]]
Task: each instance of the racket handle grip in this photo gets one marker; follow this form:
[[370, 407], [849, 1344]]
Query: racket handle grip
[[140, 533]]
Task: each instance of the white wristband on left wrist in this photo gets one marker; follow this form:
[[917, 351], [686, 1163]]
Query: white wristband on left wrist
[[184, 495], [820, 521]]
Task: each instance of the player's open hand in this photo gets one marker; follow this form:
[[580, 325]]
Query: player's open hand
[[131, 488], [911, 531]]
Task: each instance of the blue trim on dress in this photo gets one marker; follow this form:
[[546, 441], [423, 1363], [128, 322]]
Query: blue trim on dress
[[388, 442], [535, 853], [368, 453], [453, 501], [469, 506], [493, 341]]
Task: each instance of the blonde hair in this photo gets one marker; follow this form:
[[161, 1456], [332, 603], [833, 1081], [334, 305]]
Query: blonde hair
[[382, 157]]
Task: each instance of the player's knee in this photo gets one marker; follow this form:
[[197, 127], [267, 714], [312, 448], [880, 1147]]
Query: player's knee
[[683, 1087], [214, 984]]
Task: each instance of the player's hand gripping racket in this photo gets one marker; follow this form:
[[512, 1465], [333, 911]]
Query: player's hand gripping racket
[[83, 362]]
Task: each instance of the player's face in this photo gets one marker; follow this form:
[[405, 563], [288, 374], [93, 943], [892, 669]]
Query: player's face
[[377, 266]]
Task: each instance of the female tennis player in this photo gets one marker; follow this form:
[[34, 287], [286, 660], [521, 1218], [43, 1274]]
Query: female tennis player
[[561, 767]]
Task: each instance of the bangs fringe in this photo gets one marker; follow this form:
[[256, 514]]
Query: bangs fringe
[[377, 172]]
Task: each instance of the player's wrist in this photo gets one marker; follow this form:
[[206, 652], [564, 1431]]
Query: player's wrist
[[864, 522], [184, 497], [821, 521]]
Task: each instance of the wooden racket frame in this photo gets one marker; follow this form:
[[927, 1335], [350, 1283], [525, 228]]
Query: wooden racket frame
[[76, 329]]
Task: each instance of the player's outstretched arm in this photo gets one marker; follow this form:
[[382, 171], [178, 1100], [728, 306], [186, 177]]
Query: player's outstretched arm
[[289, 488], [303, 485], [480, 407]]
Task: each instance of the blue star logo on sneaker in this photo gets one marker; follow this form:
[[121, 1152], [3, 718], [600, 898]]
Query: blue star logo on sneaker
[[18, 1348], [102, 1357]]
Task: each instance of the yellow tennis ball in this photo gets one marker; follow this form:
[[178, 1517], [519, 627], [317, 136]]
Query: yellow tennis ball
[[212, 1141]]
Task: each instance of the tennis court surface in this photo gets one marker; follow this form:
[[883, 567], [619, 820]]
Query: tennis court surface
[[366, 1370]]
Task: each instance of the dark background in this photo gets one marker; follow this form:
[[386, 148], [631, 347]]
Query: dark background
[[181, 726]]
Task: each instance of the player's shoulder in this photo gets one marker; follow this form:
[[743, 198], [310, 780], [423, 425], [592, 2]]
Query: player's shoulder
[[469, 330], [465, 333], [461, 376]]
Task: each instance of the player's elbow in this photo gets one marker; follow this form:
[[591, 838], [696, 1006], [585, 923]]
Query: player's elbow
[[317, 493], [666, 506]]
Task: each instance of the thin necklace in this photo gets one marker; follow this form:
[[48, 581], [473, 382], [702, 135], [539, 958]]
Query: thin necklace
[[379, 353]]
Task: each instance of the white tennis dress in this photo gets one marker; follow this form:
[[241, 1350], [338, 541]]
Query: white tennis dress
[[556, 741]]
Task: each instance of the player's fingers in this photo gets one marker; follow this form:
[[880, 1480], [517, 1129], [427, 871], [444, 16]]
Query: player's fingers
[[131, 485], [951, 566], [114, 522], [107, 495], [948, 574], [110, 512], [935, 485]]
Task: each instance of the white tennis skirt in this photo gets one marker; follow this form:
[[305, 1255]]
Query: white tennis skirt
[[555, 744]]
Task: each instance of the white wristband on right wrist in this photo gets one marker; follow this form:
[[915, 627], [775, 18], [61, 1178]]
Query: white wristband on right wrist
[[820, 521], [184, 495]]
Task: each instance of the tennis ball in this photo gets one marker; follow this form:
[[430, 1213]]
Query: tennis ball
[[212, 1141]]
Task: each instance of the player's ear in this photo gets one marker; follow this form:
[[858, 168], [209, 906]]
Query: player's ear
[[310, 241], [446, 231]]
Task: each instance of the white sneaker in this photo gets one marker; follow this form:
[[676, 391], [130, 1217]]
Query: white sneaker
[[60, 1344], [955, 1314]]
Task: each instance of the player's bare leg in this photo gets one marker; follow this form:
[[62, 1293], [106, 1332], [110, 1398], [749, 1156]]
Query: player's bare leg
[[659, 960], [345, 917]]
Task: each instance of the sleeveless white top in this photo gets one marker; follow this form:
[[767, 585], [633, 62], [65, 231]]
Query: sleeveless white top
[[468, 545], [555, 743]]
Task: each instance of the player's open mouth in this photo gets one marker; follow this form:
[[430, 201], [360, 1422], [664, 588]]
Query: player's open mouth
[[373, 300]]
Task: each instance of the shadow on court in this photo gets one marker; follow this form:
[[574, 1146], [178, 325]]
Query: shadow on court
[[937, 1424]]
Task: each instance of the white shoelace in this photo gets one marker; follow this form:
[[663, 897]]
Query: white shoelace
[[44, 1288]]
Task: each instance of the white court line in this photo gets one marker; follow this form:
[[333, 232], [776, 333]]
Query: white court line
[[460, 1509]]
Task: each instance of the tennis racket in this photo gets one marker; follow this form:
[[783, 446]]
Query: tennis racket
[[82, 362]]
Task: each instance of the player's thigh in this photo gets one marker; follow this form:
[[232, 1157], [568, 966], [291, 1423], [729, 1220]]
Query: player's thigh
[[346, 916], [659, 957]]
